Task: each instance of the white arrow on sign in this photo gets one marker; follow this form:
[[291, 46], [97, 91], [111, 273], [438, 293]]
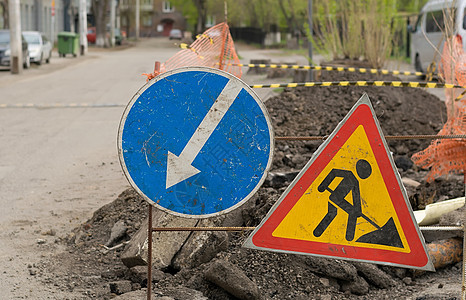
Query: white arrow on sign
[[180, 167]]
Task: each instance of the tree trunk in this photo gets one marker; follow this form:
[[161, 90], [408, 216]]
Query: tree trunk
[[201, 15], [288, 19], [293, 25], [100, 12], [6, 20]]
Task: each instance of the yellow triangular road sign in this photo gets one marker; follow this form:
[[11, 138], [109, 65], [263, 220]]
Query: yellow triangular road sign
[[348, 202]]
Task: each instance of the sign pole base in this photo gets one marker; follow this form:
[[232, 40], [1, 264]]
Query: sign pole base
[[149, 255], [463, 285]]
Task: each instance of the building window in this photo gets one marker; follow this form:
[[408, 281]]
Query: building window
[[167, 7], [147, 21], [210, 21]]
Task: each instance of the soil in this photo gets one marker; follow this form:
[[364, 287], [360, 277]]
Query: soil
[[87, 267]]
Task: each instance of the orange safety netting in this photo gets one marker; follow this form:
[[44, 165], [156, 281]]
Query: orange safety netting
[[449, 156], [214, 48]]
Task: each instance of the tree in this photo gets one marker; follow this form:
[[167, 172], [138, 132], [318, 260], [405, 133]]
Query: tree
[[201, 15], [410, 5], [127, 17], [291, 14], [188, 10], [99, 10], [264, 13], [295, 15], [258, 13], [4, 10]]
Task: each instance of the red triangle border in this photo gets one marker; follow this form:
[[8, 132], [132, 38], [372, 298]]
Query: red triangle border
[[361, 114]]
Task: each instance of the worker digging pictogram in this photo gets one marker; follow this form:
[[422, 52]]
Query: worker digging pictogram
[[349, 184]]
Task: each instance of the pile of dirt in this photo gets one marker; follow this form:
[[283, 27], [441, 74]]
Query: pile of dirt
[[317, 111], [89, 267]]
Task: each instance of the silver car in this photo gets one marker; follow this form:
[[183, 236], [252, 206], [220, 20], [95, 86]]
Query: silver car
[[428, 35], [5, 51], [40, 48]]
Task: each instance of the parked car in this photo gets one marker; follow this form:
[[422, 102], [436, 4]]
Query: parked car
[[175, 34], [119, 35], [428, 35], [5, 51], [40, 48], [91, 35]]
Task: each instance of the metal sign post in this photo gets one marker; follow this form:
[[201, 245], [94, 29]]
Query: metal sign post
[[149, 255], [463, 286]]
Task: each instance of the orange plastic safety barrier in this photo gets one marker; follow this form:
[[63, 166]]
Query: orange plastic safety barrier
[[214, 48], [449, 156]]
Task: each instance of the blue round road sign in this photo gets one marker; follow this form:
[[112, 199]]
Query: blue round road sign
[[195, 142]]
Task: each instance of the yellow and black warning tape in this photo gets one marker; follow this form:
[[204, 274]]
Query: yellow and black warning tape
[[200, 36], [430, 85], [188, 47], [61, 105], [330, 68], [185, 46], [460, 95]]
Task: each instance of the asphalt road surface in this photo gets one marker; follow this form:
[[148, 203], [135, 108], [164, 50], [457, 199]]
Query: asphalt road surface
[[58, 165]]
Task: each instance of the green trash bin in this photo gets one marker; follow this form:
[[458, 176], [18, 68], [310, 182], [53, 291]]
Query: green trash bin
[[68, 43]]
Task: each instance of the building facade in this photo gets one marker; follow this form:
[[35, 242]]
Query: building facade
[[47, 16], [157, 17]]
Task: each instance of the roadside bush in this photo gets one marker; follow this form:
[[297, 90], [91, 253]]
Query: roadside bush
[[355, 29]]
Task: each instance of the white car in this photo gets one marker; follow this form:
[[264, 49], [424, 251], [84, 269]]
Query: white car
[[40, 48], [175, 34], [428, 35]]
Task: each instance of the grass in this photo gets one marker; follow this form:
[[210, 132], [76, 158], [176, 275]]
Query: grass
[[302, 51], [279, 90], [402, 59]]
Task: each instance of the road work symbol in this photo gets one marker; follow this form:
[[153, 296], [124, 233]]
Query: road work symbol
[[196, 142], [347, 202], [349, 184]]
